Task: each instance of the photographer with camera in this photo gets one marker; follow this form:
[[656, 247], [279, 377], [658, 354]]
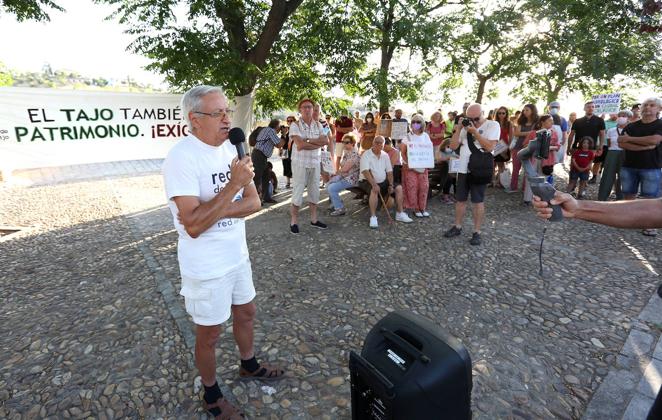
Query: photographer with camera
[[483, 135]]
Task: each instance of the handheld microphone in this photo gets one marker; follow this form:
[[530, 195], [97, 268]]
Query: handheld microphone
[[238, 138]]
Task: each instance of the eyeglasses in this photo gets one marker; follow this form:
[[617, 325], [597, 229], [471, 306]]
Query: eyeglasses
[[475, 119], [346, 142], [217, 114]]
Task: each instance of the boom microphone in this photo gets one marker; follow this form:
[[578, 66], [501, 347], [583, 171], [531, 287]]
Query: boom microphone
[[238, 138]]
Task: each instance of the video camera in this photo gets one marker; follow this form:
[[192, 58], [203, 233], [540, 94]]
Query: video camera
[[539, 149]]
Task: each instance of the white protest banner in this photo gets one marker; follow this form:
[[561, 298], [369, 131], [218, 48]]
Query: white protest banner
[[49, 127], [420, 155], [607, 103], [399, 130]]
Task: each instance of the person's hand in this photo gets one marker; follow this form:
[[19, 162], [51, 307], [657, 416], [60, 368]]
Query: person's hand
[[242, 171], [568, 205], [471, 129], [598, 152], [390, 189]]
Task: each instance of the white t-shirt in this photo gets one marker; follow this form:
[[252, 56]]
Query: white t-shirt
[[612, 135], [377, 165], [489, 129], [194, 168]]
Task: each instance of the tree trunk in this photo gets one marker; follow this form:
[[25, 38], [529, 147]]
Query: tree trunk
[[387, 50], [482, 81]]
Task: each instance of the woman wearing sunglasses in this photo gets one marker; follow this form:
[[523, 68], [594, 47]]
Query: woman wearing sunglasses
[[347, 176]]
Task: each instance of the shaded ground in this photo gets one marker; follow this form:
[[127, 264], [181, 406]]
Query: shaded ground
[[85, 332]]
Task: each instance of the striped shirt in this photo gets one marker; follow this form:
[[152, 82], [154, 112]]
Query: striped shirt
[[266, 140], [306, 158]]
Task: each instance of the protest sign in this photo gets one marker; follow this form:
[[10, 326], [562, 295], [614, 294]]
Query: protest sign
[[420, 155], [399, 130], [607, 103], [385, 128], [49, 127]]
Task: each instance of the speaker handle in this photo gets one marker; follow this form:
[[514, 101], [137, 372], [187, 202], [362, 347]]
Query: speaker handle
[[404, 344]]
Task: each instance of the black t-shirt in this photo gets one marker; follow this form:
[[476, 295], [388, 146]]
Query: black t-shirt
[[646, 159], [587, 127]]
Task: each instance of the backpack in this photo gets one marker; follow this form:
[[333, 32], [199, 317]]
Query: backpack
[[481, 164], [252, 138]]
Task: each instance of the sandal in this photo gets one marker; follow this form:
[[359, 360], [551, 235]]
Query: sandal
[[649, 232], [228, 411], [265, 372]]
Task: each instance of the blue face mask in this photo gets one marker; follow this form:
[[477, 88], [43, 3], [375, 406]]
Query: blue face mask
[[416, 126], [553, 111]]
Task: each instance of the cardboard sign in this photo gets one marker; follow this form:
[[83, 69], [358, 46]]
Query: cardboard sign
[[608, 103], [385, 128], [399, 130], [420, 155]]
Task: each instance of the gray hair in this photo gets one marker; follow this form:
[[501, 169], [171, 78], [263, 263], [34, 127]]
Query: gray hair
[[419, 118], [658, 101], [193, 97], [625, 113]]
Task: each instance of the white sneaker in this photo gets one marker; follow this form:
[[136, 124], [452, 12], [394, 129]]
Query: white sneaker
[[402, 217], [426, 214], [418, 214], [373, 222]]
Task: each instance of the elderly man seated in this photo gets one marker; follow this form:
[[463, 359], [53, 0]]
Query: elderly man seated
[[377, 179]]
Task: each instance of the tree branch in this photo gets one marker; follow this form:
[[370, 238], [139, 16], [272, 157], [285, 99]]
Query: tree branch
[[278, 14]]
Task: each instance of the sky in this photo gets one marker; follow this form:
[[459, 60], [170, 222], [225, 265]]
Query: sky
[[81, 40]]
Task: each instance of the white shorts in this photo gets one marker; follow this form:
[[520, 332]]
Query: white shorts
[[305, 178], [339, 149], [210, 301]]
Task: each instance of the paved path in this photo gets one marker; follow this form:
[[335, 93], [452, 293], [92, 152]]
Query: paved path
[[92, 324]]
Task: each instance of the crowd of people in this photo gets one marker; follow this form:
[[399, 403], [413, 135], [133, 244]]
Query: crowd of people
[[209, 207], [620, 152]]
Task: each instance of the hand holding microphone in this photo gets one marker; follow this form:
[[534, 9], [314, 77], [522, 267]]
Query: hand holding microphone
[[242, 166]]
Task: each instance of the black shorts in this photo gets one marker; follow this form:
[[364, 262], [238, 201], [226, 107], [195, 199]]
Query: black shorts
[[383, 187], [601, 158], [463, 187]]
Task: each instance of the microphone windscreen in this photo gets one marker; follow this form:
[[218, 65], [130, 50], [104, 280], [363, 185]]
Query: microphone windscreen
[[237, 136]]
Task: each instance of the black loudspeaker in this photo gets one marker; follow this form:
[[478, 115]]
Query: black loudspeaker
[[410, 369]]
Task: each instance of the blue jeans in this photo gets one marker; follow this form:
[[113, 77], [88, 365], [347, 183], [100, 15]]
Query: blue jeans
[[648, 179], [334, 189]]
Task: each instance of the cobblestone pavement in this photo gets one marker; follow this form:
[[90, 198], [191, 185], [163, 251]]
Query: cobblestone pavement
[[92, 326]]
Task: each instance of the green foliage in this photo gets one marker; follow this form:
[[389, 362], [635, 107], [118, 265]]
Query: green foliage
[[281, 50], [589, 42], [493, 47], [396, 28], [58, 79], [6, 78], [29, 9]]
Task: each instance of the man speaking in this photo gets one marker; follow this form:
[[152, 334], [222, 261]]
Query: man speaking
[[209, 193]]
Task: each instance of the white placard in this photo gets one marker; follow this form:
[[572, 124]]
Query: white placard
[[399, 130], [420, 155], [607, 103], [453, 165], [327, 164]]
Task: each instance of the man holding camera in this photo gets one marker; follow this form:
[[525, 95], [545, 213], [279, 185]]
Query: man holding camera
[[485, 134]]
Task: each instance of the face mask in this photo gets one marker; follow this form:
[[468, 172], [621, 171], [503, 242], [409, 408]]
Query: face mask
[[621, 120], [368, 119], [416, 126], [554, 111]]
